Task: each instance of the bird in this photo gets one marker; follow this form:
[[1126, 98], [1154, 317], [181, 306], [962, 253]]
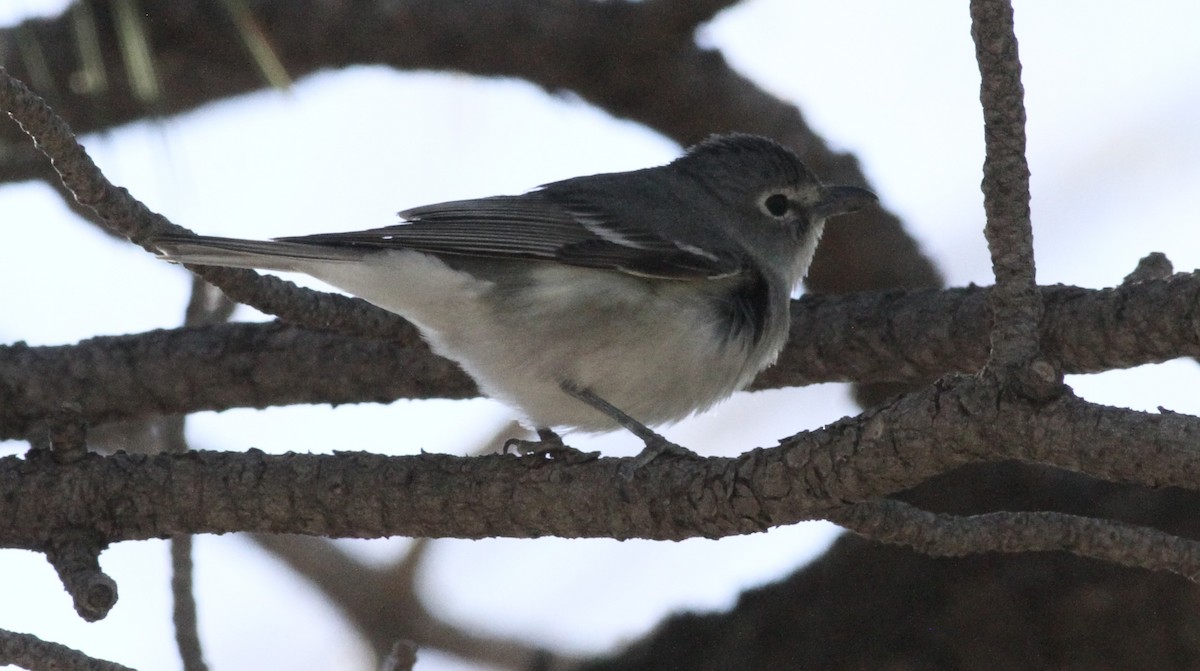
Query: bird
[[628, 299]]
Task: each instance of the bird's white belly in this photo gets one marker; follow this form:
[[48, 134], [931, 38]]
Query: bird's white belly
[[649, 347]]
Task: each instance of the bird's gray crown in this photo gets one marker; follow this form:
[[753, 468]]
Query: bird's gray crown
[[749, 160]]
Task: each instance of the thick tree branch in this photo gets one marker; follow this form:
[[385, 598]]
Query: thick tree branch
[[891, 448], [215, 367], [908, 338], [385, 604]]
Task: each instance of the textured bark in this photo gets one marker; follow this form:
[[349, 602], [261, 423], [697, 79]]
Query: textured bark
[[811, 475], [894, 338]]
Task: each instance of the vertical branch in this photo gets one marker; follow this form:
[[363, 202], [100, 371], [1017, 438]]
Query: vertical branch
[[187, 633], [207, 305], [1015, 301]]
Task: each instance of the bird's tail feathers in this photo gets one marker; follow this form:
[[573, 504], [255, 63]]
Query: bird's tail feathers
[[254, 254]]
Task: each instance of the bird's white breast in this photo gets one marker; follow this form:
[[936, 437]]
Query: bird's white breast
[[649, 347]]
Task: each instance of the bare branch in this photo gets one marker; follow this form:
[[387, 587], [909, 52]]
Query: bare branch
[[908, 338], [75, 556], [894, 447], [224, 366], [30, 652], [206, 305], [937, 535], [187, 633], [1015, 299]]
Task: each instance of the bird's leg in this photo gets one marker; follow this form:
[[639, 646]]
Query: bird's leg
[[549, 445], [656, 444]]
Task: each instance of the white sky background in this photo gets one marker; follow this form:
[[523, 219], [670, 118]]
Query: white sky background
[[1112, 93]]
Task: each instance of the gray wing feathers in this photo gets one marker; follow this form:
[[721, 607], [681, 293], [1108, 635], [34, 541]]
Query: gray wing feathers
[[532, 226], [487, 227], [535, 227]]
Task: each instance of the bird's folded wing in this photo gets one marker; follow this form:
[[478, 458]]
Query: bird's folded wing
[[572, 233]]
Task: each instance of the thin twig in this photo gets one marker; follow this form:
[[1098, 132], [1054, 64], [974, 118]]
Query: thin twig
[[206, 305], [187, 633], [941, 535]]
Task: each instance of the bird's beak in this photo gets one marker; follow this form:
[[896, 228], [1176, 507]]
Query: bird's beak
[[837, 200]]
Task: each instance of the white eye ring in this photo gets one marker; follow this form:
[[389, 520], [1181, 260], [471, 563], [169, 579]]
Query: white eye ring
[[777, 205]]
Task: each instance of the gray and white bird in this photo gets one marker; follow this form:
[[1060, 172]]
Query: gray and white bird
[[655, 293]]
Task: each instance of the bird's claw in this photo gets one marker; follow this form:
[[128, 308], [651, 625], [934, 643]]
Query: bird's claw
[[548, 447], [656, 446]]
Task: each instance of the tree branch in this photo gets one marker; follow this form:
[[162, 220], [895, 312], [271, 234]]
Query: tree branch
[[894, 447], [1015, 299], [182, 370], [75, 556], [954, 536], [31, 652], [909, 338]]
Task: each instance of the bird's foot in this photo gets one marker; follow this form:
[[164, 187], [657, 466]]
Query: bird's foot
[[656, 447], [548, 447], [656, 444]]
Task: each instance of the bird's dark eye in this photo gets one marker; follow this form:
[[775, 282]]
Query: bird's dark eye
[[777, 204]]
